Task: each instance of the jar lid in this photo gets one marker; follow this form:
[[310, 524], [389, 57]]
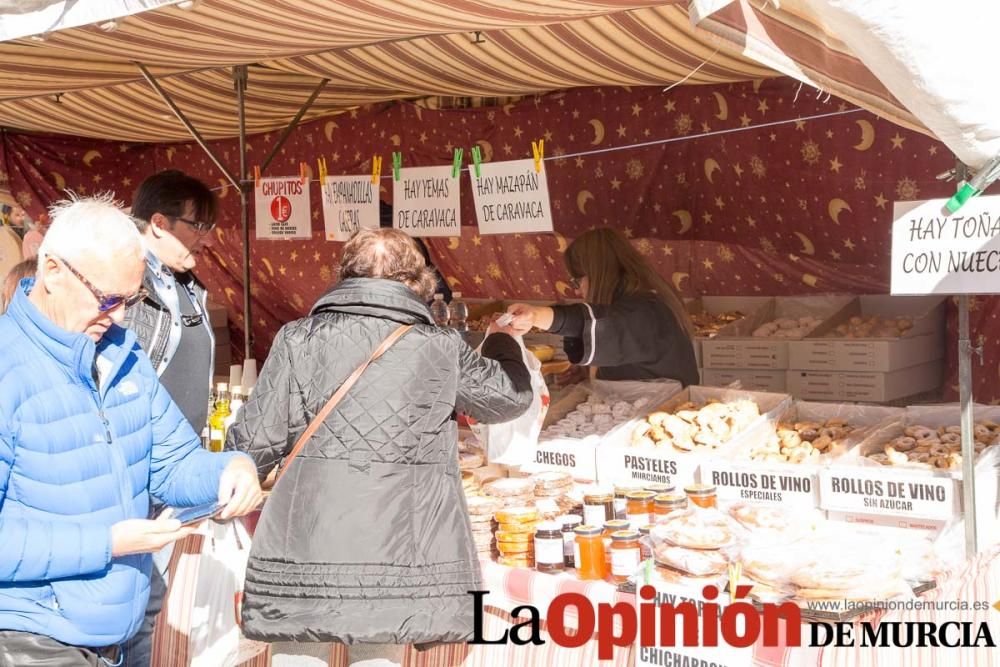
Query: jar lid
[[616, 524], [644, 530], [625, 535], [588, 531], [659, 487], [628, 486], [597, 498], [569, 520], [670, 499], [548, 527], [700, 489], [640, 495]]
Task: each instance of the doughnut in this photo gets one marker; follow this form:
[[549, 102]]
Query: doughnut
[[904, 444], [822, 443], [951, 438], [918, 432]]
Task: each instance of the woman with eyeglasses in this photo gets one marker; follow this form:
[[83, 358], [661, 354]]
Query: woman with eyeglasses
[[633, 325]]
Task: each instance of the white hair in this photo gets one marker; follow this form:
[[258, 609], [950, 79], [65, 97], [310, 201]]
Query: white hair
[[90, 225]]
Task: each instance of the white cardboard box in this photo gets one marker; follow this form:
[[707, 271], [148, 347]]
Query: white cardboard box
[[867, 387], [717, 305], [736, 347], [923, 343], [617, 461], [754, 380]]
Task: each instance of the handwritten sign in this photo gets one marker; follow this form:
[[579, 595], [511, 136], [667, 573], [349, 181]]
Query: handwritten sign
[[350, 203], [426, 201], [934, 252], [511, 198], [281, 206]]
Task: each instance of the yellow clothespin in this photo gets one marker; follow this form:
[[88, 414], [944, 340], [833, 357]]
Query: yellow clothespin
[[321, 168], [538, 148], [376, 169], [256, 176]]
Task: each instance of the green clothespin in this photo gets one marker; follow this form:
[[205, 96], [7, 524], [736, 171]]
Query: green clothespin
[[965, 193], [477, 158], [397, 164], [456, 165]]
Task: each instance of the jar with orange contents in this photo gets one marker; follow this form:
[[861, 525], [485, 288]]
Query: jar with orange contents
[[611, 527], [702, 495], [666, 503], [625, 555], [589, 553], [640, 508]]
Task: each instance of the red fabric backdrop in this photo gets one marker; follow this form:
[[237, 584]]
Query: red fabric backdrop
[[771, 208]]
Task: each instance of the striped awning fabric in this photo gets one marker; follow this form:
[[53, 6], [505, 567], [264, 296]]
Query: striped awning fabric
[[86, 82]]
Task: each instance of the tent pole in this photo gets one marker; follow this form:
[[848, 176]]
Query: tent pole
[[240, 81], [295, 123], [187, 124], [968, 452]]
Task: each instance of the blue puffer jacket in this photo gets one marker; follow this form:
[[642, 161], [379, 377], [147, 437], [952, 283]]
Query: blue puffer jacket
[[74, 460]]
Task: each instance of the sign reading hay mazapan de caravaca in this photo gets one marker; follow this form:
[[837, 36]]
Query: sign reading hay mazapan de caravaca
[[350, 203], [934, 252], [281, 206], [426, 202], [511, 198]]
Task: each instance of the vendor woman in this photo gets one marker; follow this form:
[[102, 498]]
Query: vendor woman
[[633, 325]]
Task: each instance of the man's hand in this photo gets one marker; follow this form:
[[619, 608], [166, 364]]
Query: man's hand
[[142, 536], [239, 489]]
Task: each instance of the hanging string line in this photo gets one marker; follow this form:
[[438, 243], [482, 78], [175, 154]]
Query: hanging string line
[[658, 142]]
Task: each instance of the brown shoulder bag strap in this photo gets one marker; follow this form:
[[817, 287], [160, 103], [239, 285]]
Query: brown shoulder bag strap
[[337, 396]]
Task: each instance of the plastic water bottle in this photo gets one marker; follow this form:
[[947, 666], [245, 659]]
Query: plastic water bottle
[[440, 311], [459, 313]]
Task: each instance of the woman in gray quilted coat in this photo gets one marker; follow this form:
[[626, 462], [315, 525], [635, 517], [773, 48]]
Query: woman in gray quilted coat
[[366, 539]]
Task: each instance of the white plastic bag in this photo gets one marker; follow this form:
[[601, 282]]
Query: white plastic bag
[[513, 443]]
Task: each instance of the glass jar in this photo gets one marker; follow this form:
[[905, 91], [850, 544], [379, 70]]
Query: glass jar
[[568, 524], [702, 495], [625, 555], [589, 556], [659, 488], [666, 503], [598, 506], [549, 547], [611, 527], [645, 542], [640, 508], [622, 489]]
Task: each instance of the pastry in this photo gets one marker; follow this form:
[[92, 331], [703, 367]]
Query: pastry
[[698, 563]]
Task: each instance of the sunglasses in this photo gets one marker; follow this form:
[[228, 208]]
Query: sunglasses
[[105, 302], [201, 227]]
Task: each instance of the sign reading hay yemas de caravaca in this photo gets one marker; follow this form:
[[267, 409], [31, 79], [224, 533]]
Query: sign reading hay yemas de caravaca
[[282, 210], [934, 252], [511, 198], [350, 203], [426, 202]]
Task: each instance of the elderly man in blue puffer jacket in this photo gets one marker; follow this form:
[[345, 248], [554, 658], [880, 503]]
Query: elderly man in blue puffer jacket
[[86, 434]]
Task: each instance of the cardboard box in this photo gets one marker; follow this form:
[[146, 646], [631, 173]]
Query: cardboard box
[[921, 344], [754, 380], [716, 305], [870, 387], [736, 347], [740, 479], [617, 461]]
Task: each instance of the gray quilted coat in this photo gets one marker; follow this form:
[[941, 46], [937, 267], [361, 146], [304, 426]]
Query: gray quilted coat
[[367, 538]]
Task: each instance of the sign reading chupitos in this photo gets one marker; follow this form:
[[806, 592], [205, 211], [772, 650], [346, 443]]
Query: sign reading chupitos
[[350, 203], [511, 198], [934, 252], [426, 202], [282, 208]]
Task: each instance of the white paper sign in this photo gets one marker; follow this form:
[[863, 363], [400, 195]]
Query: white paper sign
[[577, 458], [937, 253], [426, 202], [511, 198], [661, 465], [722, 655], [888, 494], [770, 485], [350, 203], [282, 208]]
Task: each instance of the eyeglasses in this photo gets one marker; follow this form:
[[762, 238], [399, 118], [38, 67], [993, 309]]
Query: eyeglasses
[[201, 227], [105, 302]]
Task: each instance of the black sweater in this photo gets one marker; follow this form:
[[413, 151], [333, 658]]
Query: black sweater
[[635, 338]]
